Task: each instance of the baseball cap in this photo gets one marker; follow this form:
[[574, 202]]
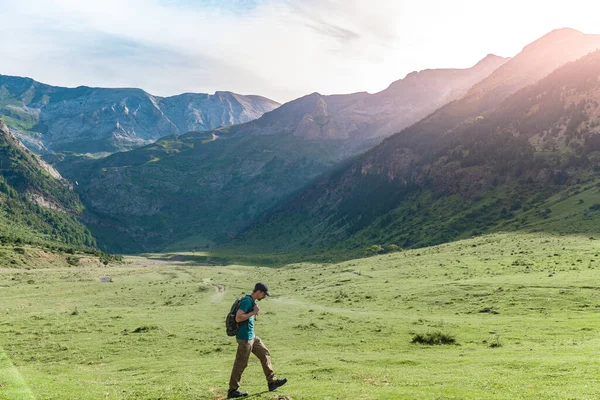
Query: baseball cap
[[262, 287]]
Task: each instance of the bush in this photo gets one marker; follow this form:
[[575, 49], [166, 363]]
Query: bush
[[392, 248], [19, 250], [495, 343], [145, 329], [106, 258], [74, 261], [433, 338], [374, 249]]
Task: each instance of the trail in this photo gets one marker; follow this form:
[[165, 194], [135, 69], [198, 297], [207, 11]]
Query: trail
[[12, 384], [219, 291]]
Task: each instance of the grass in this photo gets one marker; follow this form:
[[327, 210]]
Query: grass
[[12, 385], [522, 309]]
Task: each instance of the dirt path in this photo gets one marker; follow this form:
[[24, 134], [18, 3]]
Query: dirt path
[[219, 291]]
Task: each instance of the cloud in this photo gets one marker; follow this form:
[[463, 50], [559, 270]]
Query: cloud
[[336, 32], [281, 49], [162, 49], [370, 19]]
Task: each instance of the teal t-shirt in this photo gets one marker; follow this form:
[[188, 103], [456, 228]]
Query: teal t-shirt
[[246, 331]]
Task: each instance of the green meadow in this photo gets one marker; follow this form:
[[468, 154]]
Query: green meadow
[[503, 316]]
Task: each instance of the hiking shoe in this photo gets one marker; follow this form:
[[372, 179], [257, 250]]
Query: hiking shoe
[[234, 394], [275, 384]]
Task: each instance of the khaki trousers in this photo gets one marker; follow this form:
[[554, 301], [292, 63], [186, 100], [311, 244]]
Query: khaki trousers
[[245, 347]]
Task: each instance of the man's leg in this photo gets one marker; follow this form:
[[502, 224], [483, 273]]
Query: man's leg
[[261, 351], [241, 362]]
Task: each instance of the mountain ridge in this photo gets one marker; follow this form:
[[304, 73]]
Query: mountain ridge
[[88, 119], [366, 116]]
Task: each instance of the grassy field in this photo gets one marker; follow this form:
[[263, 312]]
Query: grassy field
[[522, 309]]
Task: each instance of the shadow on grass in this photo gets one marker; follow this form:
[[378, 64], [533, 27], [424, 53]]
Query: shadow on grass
[[223, 258], [190, 259], [220, 259]]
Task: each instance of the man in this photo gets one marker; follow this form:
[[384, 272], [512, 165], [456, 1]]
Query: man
[[248, 343]]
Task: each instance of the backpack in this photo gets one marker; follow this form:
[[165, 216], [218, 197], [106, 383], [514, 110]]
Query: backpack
[[231, 325]]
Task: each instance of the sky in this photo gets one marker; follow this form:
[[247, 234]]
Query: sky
[[280, 49]]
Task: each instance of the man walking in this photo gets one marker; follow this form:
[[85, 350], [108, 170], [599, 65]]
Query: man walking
[[248, 343]]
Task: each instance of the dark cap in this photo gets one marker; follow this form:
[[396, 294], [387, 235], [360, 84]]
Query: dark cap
[[262, 287]]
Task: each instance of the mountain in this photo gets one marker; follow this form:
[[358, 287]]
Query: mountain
[[536, 61], [203, 188], [37, 205], [95, 120], [362, 119], [533, 63], [490, 160]]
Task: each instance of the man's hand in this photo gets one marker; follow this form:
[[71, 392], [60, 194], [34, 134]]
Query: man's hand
[[242, 316]]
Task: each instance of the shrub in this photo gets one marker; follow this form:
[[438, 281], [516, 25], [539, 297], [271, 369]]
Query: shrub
[[145, 329], [374, 249], [433, 338], [595, 207], [495, 343], [515, 206], [73, 261], [488, 310], [106, 258], [392, 248]]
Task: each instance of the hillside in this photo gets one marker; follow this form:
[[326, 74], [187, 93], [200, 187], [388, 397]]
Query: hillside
[[192, 188], [450, 176], [95, 120], [37, 206]]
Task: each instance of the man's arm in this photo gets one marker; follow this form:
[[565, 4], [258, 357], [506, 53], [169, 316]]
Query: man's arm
[[242, 316]]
